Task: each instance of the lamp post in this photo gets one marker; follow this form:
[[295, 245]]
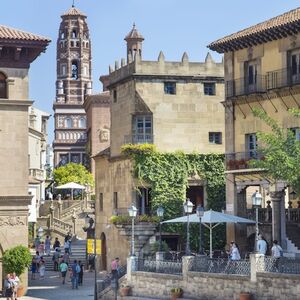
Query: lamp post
[[132, 210], [200, 213], [188, 208], [256, 203], [160, 213], [40, 232]]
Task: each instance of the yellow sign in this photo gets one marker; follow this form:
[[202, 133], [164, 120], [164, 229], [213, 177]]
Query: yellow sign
[[90, 246]]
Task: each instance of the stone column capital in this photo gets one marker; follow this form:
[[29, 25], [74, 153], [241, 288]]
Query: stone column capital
[[277, 196]]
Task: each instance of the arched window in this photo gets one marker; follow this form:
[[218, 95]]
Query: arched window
[[68, 123], [82, 122], [3, 86], [74, 34], [62, 35], [87, 45], [74, 70]]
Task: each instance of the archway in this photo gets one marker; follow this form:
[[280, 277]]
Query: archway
[[103, 261]]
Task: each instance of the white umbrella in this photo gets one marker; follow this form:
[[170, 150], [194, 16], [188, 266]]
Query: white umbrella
[[211, 219], [72, 186]]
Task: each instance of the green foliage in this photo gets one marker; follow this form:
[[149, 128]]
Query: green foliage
[[280, 150], [168, 173], [16, 259], [155, 247], [176, 290], [126, 220], [73, 173]]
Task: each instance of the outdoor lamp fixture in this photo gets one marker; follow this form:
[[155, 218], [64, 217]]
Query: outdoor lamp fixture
[[40, 232], [188, 208], [132, 210], [160, 213], [256, 203], [200, 213], [292, 195]]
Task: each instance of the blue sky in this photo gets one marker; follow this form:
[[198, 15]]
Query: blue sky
[[173, 26]]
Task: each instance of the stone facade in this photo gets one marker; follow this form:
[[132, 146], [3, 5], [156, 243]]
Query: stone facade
[[72, 85], [258, 75], [174, 105], [18, 49]]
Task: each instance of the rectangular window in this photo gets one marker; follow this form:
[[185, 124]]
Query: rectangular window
[[209, 88], [296, 132], [251, 145], [215, 137], [142, 129], [115, 95], [294, 66], [115, 201], [101, 202], [170, 88]]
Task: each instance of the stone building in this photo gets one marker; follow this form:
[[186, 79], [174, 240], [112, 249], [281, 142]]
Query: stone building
[[18, 49], [261, 71], [174, 105], [37, 159], [72, 85]]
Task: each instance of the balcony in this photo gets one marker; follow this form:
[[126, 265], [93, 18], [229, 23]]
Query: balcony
[[37, 174], [261, 83], [241, 160], [139, 139]]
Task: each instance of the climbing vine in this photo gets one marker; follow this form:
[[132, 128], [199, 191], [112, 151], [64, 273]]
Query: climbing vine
[[168, 173]]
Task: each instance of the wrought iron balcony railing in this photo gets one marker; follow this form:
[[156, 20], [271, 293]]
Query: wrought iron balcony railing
[[241, 160], [139, 139], [262, 83]]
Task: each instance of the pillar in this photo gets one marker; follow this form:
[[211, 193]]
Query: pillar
[[277, 198]]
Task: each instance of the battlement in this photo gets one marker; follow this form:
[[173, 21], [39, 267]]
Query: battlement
[[161, 67]]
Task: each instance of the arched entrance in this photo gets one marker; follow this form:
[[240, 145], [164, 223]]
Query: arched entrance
[[103, 265]]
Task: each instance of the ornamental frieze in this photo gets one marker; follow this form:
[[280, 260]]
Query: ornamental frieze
[[12, 221]]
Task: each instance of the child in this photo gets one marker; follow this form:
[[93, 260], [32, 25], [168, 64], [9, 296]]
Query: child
[[33, 268], [42, 269]]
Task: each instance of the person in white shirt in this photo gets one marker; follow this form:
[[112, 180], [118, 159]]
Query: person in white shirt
[[234, 252], [261, 245], [276, 250]]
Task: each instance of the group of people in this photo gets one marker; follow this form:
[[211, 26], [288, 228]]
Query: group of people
[[75, 270], [11, 285], [38, 266]]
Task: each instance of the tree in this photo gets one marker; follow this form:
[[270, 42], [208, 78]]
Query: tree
[[17, 259], [280, 151], [73, 173]]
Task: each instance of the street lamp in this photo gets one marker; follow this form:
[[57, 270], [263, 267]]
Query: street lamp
[[132, 210], [256, 203], [200, 213], [188, 208], [40, 232], [160, 213]]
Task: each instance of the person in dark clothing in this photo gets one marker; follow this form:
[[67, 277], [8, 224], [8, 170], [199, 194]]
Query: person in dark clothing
[[56, 244], [80, 279]]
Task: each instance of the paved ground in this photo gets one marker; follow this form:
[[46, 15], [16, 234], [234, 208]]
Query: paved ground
[[51, 288]]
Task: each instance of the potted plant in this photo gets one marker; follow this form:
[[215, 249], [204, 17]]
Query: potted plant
[[176, 293], [125, 290], [18, 260]]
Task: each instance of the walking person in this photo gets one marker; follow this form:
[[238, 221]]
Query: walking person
[[33, 268], [80, 278], [56, 244], [75, 274], [262, 245], [55, 259], [66, 258], [9, 287], [115, 267], [42, 269], [67, 246], [277, 252], [63, 267], [16, 282], [47, 245]]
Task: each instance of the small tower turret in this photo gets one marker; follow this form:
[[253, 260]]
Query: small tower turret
[[134, 44]]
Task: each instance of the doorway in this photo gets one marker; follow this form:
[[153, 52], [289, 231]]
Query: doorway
[[103, 260]]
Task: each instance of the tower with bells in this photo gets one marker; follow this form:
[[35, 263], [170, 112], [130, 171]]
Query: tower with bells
[[72, 85]]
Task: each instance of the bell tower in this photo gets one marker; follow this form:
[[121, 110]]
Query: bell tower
[[72, 85]]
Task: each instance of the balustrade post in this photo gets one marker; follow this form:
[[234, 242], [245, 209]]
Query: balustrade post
[[186, 263], [74, 217], [51, 210], [132, 266], [277, 198]]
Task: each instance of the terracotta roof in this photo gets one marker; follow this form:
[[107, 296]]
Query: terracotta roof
[[277, 27], [16, 34], [73, 11], [133, 34]]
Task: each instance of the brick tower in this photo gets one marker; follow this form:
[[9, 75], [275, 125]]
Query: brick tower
[[72, 84]]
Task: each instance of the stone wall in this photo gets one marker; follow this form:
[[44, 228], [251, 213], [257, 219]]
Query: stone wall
[[204, 286]]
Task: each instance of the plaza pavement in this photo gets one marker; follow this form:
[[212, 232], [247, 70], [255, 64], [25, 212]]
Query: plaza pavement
[[51, 288]]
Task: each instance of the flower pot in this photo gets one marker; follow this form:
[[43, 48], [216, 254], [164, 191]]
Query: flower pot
[[245, 296], [124, 291], [21, 291], [175, 296]]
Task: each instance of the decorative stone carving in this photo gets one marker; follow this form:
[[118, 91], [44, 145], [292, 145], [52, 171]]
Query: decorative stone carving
[[12, 221], [104, 134], [74, 55]]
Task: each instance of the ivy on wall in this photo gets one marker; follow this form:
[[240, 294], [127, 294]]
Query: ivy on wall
[[168, 173]]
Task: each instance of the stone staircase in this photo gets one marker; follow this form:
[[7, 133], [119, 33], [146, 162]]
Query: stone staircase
[[293, 234], [78, 253]]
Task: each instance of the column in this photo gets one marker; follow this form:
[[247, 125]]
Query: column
[[277, 198], [241, 210]]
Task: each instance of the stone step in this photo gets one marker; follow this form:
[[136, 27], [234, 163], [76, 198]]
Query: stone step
[[147, 298]]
